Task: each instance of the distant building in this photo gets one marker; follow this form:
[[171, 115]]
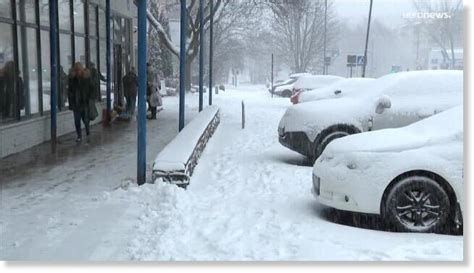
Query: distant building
[[441, 59]]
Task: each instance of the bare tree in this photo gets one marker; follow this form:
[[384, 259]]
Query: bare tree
[[299, 31], [192, 49], [442, 21]]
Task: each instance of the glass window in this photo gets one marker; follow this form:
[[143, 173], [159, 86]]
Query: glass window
[[117, 30], [28, 71], [102, 26], [46, 74], [65, 62], [5, 9], [79, 20], [92, 21], [7, 68], [80, 54], [26, 11], [44, 12], [65, 15], [103, 65]]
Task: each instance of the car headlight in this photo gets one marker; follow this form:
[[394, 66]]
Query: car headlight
[[281, 131]]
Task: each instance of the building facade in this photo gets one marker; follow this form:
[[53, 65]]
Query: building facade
[[25, 70]]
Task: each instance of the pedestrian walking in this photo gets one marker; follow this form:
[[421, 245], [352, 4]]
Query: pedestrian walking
[[130, 85], [80, 95]]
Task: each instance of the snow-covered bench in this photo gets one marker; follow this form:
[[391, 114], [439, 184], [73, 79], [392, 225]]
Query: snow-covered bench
[[176, 162]]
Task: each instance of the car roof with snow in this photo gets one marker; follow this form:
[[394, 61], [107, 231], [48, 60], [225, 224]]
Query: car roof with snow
[[315, 81], [344, 85]]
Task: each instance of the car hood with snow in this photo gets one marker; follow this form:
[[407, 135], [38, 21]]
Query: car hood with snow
[[439, 129]]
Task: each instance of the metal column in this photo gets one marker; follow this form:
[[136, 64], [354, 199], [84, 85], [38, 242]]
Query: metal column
[[211, 34], [108, 50], [53, 38], [201, 53], [367, 40], [142, 85], [325, 36], [182, 64]]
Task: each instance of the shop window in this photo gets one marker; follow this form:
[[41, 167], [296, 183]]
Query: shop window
[[80, 52], [7, 74], [64, 14], [79, 20], [28, 92], [65, 61], [43, 6], [25, 11], [46, 73], [5, 9]]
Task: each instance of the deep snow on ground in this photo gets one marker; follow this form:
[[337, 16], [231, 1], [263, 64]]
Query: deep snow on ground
[[249, 199]]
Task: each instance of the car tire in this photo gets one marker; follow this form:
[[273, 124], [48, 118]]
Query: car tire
[[417, 204], [328, 135], [287, 94]]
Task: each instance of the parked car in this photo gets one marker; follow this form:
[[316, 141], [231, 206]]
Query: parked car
[[310, 82], [339, 88], [392, 101], [411, 176], [285, 88]]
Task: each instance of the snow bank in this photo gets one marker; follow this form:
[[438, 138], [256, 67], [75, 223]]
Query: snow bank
[[176, 162]]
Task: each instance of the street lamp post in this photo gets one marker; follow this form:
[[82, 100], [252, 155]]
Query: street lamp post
[[201, 53], [367, 40], [325, 36], [211, 49], [182, 64]]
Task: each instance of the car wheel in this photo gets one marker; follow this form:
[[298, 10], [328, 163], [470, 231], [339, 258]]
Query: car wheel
[[417, 204], [327, 137], [286, 94]]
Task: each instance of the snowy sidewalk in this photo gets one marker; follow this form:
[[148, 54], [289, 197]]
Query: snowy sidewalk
[[50, 204]]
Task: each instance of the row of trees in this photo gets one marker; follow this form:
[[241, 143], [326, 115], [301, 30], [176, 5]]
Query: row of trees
[[293, 30], [248, 31]]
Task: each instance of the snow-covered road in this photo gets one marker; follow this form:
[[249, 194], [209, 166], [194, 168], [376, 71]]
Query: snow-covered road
[[249, 199]]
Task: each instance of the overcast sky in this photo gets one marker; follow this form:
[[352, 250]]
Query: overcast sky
[[390, 12]]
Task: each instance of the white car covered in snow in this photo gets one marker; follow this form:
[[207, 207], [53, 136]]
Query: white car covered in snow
[[285, 88], [337, 89], [412, 176], [309, 82], [395, 100]]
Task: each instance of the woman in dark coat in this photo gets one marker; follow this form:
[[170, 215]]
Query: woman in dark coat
[[79, 94]]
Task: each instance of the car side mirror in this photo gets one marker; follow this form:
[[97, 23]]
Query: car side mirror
[[383, 103], [337, 92]]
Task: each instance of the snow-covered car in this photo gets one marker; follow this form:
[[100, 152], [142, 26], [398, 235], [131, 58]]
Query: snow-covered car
[[310, 82], [337, 89], [285, 88], [412, 176], [395, 100]]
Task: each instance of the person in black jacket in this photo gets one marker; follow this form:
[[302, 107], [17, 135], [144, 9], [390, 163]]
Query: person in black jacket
[[80, 92]]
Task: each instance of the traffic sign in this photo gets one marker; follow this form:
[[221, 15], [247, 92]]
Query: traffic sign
[[360, 60]]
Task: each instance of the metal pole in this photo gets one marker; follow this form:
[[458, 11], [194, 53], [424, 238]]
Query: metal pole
[[53, 38], [201, 53], [367, 40], [325, 36], [272, 75], [142, 85], [211, 34], [182, 64], [108, 58]]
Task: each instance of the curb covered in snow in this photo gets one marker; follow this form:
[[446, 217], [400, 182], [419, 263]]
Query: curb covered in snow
[[176, 162]]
